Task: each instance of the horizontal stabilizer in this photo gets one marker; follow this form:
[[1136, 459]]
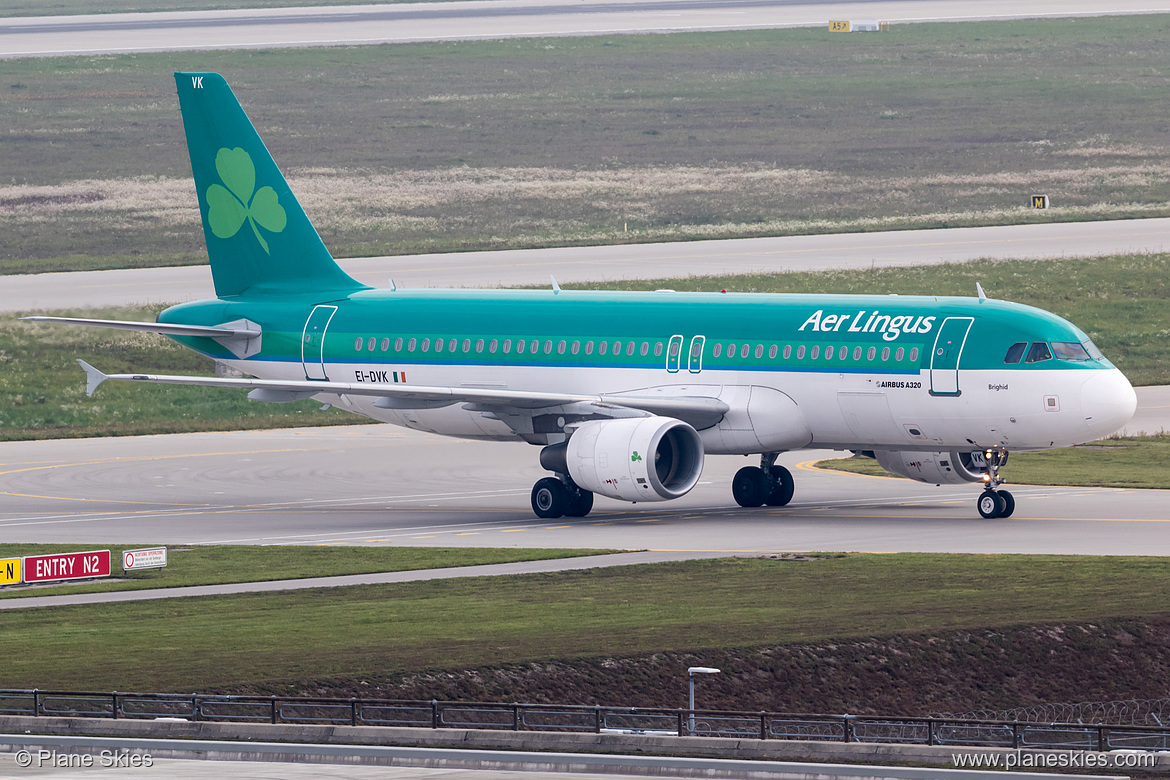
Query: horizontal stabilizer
[[241, 338], [165, 328]]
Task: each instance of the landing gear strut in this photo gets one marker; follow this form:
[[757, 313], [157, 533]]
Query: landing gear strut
[[993, 502], [764, 484], [558, 496]]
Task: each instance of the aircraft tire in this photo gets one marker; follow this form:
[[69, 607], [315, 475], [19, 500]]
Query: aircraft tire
[[1009, 503], [750, 486], [991, 504], [580, 504], [783, 487], [549, 498]]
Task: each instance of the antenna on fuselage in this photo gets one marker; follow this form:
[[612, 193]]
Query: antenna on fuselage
[[393, 286], [556, 287], [979, 289]]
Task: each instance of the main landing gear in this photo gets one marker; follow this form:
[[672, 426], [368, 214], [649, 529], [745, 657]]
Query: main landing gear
[[559, 497], [993, 502], [764, 484]]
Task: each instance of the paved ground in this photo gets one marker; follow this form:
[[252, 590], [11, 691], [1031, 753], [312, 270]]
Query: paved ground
[[317, 761], [376, 484], [637, 261], [110, 33]]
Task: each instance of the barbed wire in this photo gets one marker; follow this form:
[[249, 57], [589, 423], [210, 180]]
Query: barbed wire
[[1127, 712]]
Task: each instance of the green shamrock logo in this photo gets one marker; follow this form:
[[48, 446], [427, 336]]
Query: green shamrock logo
[[230, 206], [635, 457]]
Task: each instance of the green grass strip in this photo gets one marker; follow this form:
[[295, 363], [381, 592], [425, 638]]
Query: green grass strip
[[455, 146], [270, 641], [218, 564]]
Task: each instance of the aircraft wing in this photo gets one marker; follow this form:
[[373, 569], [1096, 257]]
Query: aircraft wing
[[701, 411]]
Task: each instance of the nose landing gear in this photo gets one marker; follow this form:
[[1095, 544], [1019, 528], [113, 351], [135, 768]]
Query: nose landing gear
[[993, 503]]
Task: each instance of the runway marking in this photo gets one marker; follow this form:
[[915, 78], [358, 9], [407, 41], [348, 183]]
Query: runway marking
[[468, 533], [556, 527], [419, 537], [808, 465]]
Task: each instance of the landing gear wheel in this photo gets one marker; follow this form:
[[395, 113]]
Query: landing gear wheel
[[549, 498], [751, 486], [992, 505], [579, 504], [782, 487], [1009, 503]]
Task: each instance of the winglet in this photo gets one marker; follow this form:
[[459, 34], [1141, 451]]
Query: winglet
[[979, 289], [93, 377]]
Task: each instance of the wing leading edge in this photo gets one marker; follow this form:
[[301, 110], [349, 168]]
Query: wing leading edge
[[699, 411]]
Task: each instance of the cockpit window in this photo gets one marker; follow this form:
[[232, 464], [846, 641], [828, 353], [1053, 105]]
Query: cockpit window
[[1039, 352], [1070, 350], [1015, 352], [1091, 348]]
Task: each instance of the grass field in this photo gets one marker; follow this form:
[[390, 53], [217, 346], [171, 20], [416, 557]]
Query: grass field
[[217, 564], [1127, 463], [563, 141], [1122, 302], [261, 640]]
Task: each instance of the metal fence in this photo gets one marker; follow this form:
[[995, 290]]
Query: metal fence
[[577, 718]]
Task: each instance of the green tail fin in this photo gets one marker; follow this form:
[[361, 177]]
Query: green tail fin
[[259, 240]]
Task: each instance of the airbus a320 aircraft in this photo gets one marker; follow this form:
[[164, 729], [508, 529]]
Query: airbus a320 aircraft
[[626, 392]]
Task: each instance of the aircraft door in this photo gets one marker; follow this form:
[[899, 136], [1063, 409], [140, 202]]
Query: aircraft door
[[695, 362], [313, 341], [944, 359], [674, 354]]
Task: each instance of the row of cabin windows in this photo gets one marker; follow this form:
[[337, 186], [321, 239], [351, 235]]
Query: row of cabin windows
[[493, 346], [839, 353], [1039, 351], [603, 347]]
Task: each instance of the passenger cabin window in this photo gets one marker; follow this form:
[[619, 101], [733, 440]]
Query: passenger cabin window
[[1015, 352], [1039, 352], [1070, 350]]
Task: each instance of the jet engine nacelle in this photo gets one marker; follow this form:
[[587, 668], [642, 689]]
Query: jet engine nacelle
[[636, 459], [937, 468]]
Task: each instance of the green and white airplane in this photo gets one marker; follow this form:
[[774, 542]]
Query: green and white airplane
[[626, 392]]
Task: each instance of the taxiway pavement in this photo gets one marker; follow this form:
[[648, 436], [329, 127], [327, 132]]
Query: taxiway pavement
[[480, 19], [900, 248], [380, 485]]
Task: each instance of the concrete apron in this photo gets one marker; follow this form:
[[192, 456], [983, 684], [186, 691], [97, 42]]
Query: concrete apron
[[648, 754]]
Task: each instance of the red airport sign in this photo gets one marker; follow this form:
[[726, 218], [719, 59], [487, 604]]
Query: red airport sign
[[67, 566]]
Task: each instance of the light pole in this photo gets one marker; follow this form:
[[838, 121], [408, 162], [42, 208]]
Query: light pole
[[691, 672]]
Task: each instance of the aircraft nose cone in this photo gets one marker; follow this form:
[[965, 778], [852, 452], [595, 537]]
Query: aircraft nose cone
[[1108, 402]]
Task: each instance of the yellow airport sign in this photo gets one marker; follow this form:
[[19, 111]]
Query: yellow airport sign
[[10, 571], [839, 26]]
